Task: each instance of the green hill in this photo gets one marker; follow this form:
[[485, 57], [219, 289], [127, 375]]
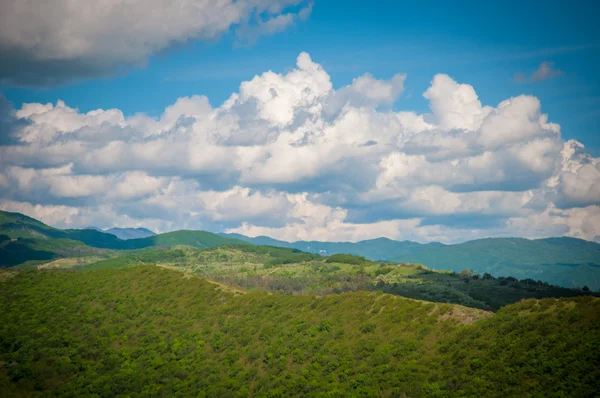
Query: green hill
[[566, 262], [562, 261], [30, 241], [198, 239], [290, 271], [146, 331]]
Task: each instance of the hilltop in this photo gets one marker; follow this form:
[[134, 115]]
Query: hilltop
[[25, 240]]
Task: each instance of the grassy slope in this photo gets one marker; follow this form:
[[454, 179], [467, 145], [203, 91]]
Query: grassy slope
[[148, 331]]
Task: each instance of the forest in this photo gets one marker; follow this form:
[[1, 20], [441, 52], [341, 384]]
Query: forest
[[150, 331]]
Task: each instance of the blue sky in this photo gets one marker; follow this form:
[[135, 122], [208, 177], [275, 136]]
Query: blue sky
[[338, 143], [475, 42]]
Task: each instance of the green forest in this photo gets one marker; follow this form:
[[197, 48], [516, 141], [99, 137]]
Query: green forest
[[150, 331]]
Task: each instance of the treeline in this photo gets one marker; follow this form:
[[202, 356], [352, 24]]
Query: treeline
[[473, 290]]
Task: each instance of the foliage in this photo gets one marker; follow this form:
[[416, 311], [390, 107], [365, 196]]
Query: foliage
[[285, 271], [346, 259], [144, 331], [567, 262]]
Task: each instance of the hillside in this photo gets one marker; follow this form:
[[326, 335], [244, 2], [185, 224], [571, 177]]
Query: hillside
[[562, 261], [147, 331], [566, 262], [290, 271], [26, 239]]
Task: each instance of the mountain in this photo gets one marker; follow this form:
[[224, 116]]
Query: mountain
[[146, 331], [26, 240], [130, 233], [561, 261]]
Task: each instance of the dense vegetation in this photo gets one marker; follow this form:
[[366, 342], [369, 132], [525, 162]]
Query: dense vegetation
[[147, 331], [104, 317], [289, 271]]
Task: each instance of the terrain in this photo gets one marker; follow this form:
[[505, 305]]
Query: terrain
[[150, 331], [563, 261], [191, 313], [290, 271], [567, 262]]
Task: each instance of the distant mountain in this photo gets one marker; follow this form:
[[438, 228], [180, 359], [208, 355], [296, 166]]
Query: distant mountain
[[130, 233], [24, 238], [562, 261]]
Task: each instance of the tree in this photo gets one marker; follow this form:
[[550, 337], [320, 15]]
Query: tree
[[466, 273], [487, 276], [585, 289]]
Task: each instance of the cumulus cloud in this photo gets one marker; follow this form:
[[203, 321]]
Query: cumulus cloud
[[54, 41], [544, 72], [291, 157]]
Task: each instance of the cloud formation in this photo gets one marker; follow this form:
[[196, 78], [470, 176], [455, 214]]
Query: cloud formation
[[55, 41], [291, 157], [544, 72]]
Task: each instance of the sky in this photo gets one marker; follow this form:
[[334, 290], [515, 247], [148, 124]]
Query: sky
[[297, 119]]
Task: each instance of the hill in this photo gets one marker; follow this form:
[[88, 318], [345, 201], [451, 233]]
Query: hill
[[566, 262], [27, 239], [147, 331], [562, 261], [130, 233], [290, 271]]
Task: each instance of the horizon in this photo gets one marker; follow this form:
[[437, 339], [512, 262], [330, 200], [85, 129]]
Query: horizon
[[307, 241], [295, 121]]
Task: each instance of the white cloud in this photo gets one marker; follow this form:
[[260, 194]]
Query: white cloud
[[291, 157], [53, 41]]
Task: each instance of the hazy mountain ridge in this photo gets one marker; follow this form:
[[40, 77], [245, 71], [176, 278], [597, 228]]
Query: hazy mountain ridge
[[563, 261], [129, 233]]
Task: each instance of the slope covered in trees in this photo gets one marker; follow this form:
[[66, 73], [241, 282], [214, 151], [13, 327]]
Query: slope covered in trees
[[144, 331], [289, 271]]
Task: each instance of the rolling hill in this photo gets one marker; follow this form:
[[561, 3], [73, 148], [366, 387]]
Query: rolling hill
[[27, 241], [17, 225], [290, 271], [561, 261]]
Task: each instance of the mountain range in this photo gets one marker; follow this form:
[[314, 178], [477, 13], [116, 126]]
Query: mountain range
[[561, 261], [126, 233]]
